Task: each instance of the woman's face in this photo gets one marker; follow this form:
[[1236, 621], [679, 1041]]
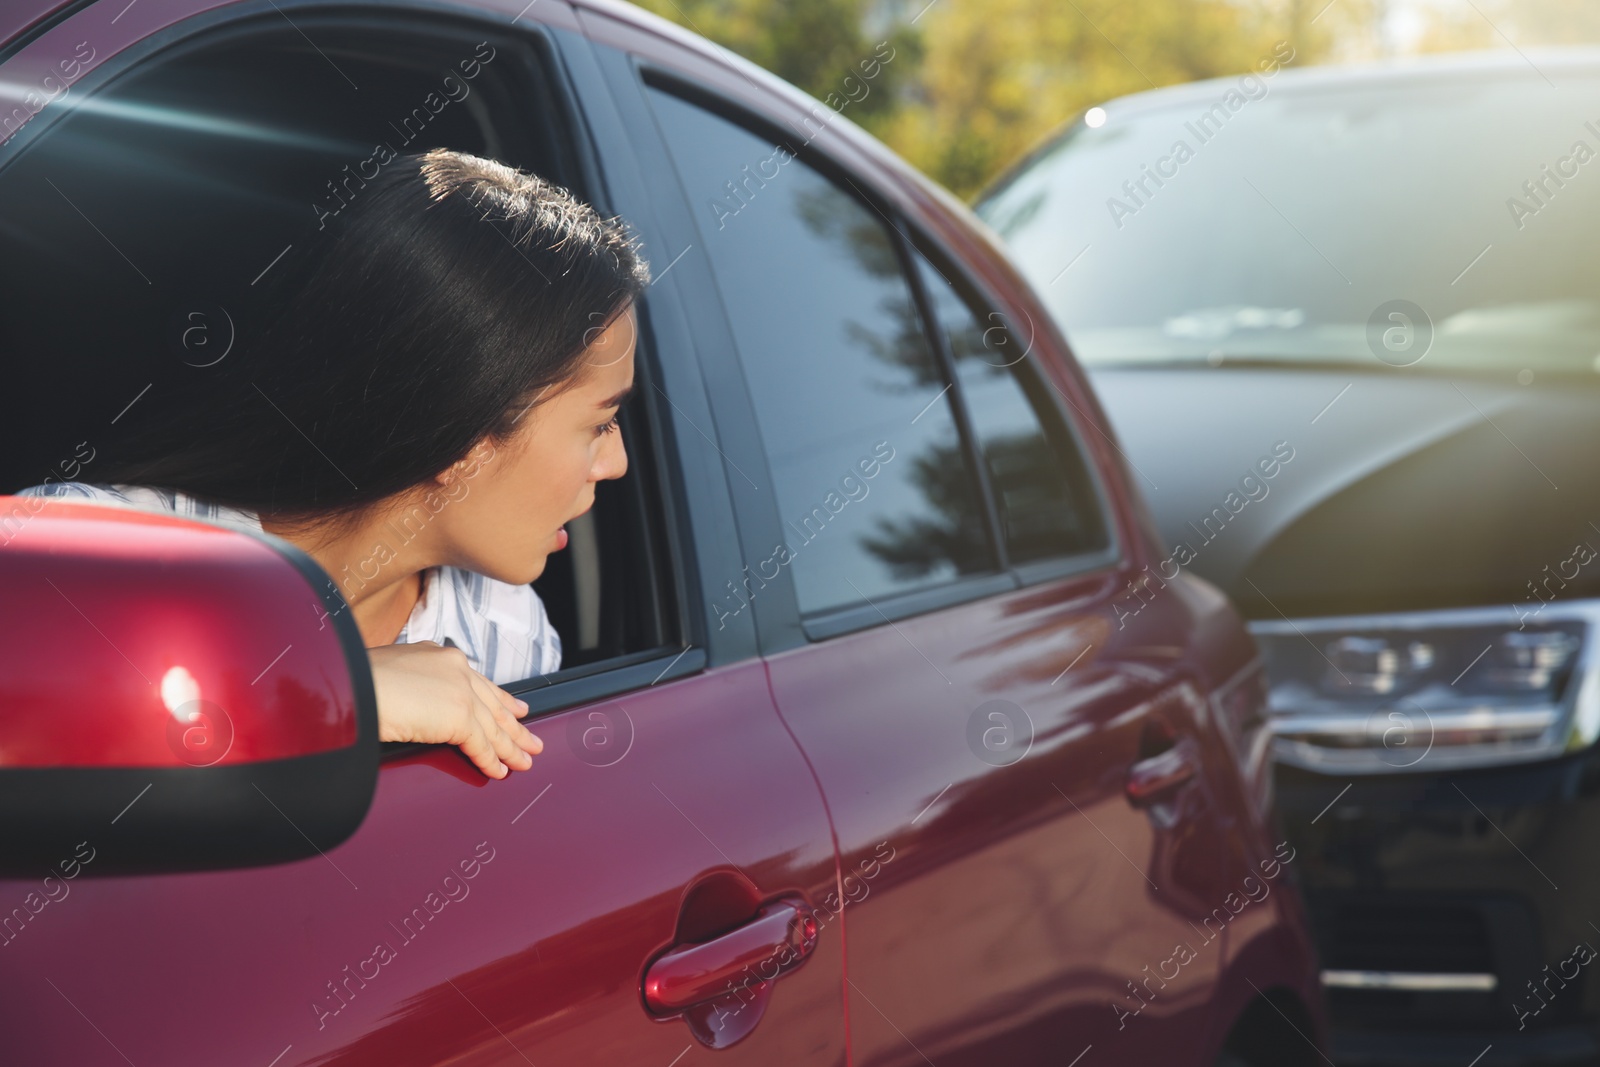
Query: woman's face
[[509, 501]]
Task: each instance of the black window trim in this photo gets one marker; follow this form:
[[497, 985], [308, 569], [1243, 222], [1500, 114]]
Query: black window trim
[[836, 622], [975, 294], [619, 674], [628, 135], [590, 684], [939, 345], [594, 683]]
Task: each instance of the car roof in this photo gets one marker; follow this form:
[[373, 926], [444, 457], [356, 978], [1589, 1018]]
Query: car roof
[[21, 20], [1396, 75]]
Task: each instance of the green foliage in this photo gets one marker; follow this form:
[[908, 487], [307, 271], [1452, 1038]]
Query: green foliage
[[975, 83], [819, 45]]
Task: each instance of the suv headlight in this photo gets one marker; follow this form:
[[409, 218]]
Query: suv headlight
[[1431, 690]]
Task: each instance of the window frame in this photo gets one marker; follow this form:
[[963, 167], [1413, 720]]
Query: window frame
[[543, 50], [592, 159]]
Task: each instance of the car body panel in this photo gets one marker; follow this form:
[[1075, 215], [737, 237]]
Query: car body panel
[[579, 870], [1029, 906]]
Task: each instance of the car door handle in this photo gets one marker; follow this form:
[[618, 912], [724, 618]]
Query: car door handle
[[776, 941], [1153, 780]]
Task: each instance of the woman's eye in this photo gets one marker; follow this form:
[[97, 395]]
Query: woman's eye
[[609, 427]]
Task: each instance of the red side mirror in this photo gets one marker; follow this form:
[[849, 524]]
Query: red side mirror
[[180, 695]]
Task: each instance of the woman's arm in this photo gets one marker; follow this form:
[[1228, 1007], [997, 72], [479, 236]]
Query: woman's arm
[[431, 694]]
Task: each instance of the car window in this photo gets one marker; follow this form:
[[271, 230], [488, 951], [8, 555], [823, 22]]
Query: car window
[[1047, 503], [227, 155], [867, 464]]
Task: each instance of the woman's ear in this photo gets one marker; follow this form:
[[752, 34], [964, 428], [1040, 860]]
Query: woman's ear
[[450, 475], [467, 466]]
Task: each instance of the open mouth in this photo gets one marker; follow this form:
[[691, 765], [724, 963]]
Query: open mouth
[[561, 532]]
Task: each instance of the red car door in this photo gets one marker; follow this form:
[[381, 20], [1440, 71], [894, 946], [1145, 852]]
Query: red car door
[[1027, 826], [467, 921], [642, 894]]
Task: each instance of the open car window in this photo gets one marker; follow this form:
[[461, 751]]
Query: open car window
[[136, 231]]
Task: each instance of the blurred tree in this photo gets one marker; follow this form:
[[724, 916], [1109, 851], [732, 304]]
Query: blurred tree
[[997, 77], [975, 83], [822, 46], [1544, 22], [1431, 26]]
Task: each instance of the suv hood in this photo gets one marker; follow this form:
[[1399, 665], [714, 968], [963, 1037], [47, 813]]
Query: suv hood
[[1405, 490]]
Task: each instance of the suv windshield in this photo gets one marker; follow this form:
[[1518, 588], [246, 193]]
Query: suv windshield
[[1279, 222]]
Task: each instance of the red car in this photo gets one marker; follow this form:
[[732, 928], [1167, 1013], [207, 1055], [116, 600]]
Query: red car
[[880, 737]]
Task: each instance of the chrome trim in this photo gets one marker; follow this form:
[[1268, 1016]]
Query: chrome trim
[[1371, 728], [1410, 981], [1401, 736]]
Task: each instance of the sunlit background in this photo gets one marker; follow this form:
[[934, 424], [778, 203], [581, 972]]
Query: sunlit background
[[973, 84]]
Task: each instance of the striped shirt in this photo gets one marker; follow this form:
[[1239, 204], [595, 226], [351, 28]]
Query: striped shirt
[[502, 628]]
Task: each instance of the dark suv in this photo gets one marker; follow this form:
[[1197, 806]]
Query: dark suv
[[1346, 323]]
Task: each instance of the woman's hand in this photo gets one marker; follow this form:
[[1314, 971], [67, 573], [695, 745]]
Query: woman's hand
[[430, 693]]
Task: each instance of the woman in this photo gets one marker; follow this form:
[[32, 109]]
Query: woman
[[434, 397]]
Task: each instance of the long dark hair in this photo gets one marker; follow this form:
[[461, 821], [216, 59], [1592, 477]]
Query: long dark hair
[[452, 291]]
